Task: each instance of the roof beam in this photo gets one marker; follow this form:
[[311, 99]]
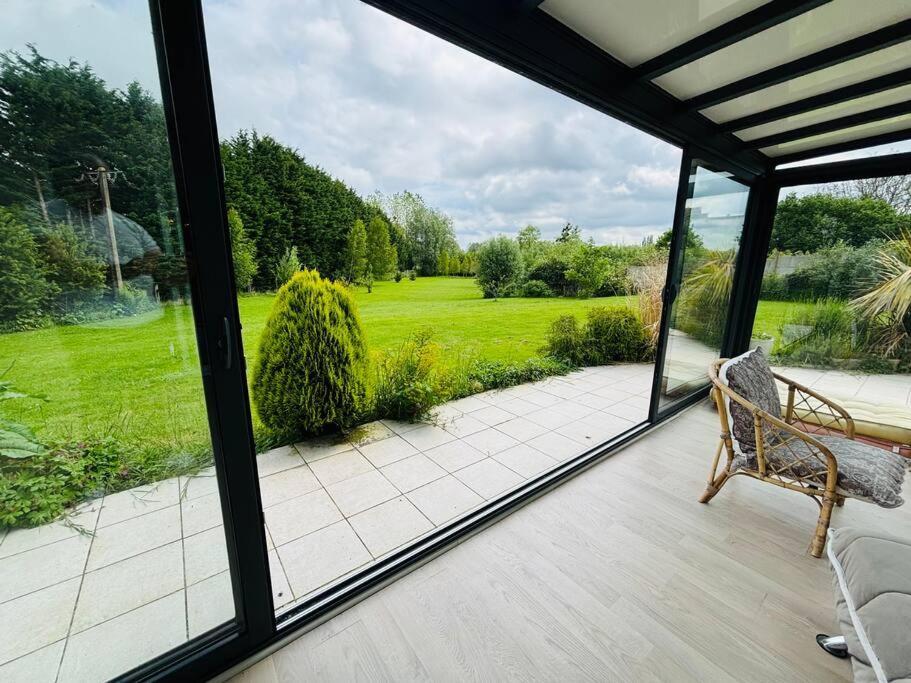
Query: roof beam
[[850, 145], [845, 94], [758, 20], [850, 49], [878, 114], [840, 171]]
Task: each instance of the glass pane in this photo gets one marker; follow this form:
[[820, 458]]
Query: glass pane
[[112, 549], [829, 316], [712, 225], [392, 162]]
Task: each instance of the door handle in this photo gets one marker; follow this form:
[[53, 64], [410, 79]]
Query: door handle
[[227, 343]]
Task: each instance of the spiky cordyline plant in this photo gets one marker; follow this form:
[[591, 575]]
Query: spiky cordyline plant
[[887, 306]]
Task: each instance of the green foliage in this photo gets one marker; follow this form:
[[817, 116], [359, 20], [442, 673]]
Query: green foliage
[[408, 382], [587, 270], [499, 265], [283, 201], [532, 247], [704, 296], [412, 275], [54, 115], [287, 266], [819, 334], [24, 291], [356, 262], [814, 222], [693, 244], [840, 272], [382, 255], [77, 275], [609, 335], [499, 374], [552, 272], [420, 233], [309, 371], [398, 276], [774, 287], [566, 341], [615, 335], [536, 289], [243, 251], [17, 441]]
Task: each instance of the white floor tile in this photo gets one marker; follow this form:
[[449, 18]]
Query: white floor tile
[[210, 603], [369, 433], [124, 505], [205, 555], [360, 492], [81, 521], [444, 499], [522, 429], [463, 426], [340, 466], [40, 665], [278, 460], [490, 441], [491, 415], [426, 437], [281, 591], [412, 472], [387, 451], [199, 514], [488, 478], [389, 525], [43, 566], [321, 447], [299, 516], [525, 460], [134, 536], [339, 551], [202, 483], [557, 446], [114, 647], [454, 455], [37, 619], [288, 484], [123, 586]]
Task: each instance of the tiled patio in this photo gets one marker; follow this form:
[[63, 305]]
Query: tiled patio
[[133, 574]]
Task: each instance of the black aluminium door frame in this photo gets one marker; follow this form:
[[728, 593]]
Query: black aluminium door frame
[[189, 113], [737, 305]]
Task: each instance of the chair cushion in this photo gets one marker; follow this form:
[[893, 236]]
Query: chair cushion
[[749, 376], [865, 472], [873, 599]]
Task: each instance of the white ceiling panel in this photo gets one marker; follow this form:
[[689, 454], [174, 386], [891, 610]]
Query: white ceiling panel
[[847, 73], [634, 31], [823, 27], [861, 104], [897, 123]]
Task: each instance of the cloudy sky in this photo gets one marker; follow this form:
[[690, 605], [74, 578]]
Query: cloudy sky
[[384, 106]]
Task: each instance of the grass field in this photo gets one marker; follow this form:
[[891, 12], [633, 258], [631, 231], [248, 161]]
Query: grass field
[[139, 377]]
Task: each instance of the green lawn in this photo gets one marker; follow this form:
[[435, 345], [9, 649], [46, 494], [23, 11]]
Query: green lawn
[[139, 377]]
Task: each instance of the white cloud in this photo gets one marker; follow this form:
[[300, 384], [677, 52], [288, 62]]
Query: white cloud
[[385, 106]]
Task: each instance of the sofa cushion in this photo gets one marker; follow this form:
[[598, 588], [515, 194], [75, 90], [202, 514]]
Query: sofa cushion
[[864, 471], [873, 599], [749, 376]]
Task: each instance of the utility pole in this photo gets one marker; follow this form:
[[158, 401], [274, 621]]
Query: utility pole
[[103, 177]]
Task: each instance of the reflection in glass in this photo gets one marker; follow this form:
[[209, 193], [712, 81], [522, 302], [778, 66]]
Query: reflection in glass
[[712, 225], [112, 549]]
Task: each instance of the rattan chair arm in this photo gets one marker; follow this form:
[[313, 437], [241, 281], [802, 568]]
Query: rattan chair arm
[[792, 385], [781, 425]]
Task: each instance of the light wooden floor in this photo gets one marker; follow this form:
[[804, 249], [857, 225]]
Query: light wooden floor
[[617, 575]]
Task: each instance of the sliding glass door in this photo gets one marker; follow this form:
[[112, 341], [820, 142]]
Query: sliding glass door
[[704, 252]]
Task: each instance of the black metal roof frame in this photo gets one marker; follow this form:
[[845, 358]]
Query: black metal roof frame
[[520, 36]]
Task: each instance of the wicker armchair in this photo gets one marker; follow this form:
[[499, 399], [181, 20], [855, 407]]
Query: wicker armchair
[[810, 448]]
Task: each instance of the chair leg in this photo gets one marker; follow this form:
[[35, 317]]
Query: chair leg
[[822, 526], [714, 484]]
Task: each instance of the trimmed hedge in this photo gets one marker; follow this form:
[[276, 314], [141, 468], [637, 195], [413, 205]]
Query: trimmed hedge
[[310, 372], [610, 335]]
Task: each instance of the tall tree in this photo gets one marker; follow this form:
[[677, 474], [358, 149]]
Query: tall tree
[[895, 190], [243, 252], [356, 262], [426, 232], [380, 252]]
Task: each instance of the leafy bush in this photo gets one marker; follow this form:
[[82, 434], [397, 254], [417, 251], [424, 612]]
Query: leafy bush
[[287, 266], [886, 308], [77, 275], [615, 335], [587, 270], [826, 331], [24, 291], [243, 252], [705, 293], [839, 272], [498, 374], [536, 289], [309, 373], [408, 382], [566, 341], [398, 276], [499, 265], [552, 272], [412, 275], [610, 335], [774, 287]]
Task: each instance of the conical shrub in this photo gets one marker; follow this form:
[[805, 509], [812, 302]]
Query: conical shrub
[[309, 374]]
